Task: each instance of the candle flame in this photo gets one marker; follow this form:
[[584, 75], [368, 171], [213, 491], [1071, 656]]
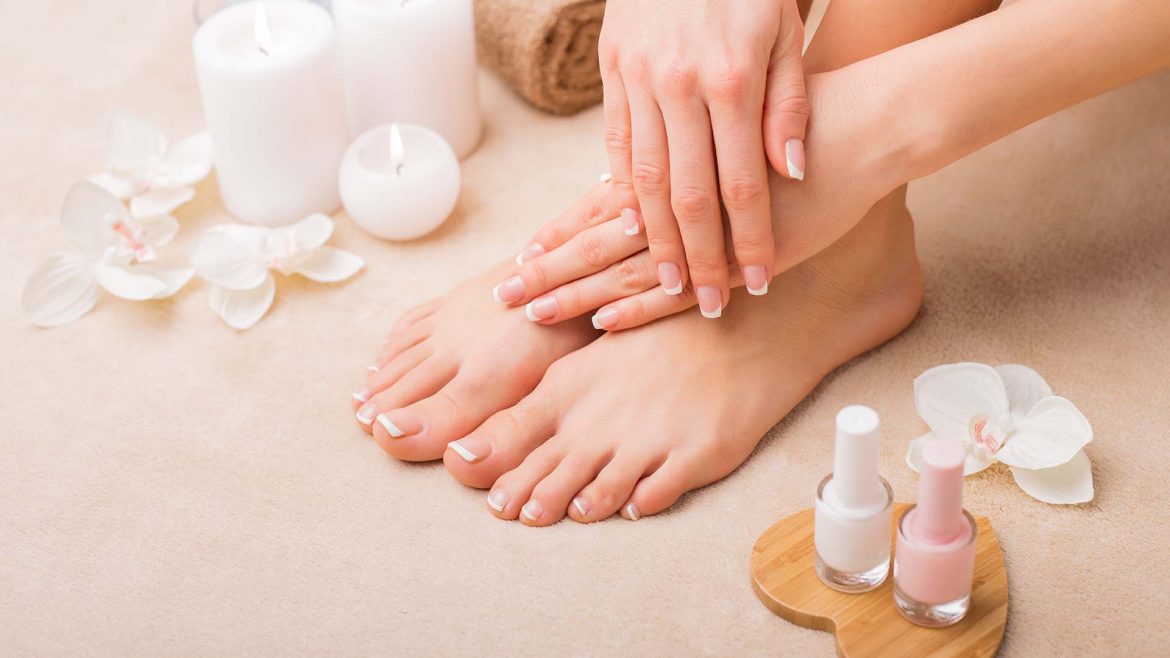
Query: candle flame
[[397, 151], [263, 36]]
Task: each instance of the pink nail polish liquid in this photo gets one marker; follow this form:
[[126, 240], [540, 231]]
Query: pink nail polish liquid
[[853, 507], [934, 559]]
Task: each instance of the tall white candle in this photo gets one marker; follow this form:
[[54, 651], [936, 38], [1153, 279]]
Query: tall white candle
[[411, 61], [272, 96]]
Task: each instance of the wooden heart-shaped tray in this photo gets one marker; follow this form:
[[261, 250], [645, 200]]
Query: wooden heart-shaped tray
[[868, 624]]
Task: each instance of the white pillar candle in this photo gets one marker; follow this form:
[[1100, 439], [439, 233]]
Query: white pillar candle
[[411, 61], [272, 97], [400, 181]]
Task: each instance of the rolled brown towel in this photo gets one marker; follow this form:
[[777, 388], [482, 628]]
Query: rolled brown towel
[[545, 49]]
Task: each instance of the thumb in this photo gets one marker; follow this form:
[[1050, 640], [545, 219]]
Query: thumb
[[786, 106]]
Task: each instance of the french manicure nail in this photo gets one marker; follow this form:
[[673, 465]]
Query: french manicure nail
[[400, 423], [532, 510], [471, 448], [497, 500], [755, 278], [710, 301], [541, 308], [366, 414], [794, 158], [631, 511], [630, 224], [582, 506], [670, 278], [531, 251], [605, 318], [510, 291]]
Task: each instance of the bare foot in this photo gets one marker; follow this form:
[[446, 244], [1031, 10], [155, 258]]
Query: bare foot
[[634, 420]]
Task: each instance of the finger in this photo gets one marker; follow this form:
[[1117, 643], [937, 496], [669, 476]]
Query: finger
[[601, 203], [617, 122], [695, 200], [642, 308], [588, 252], [786, 106], [651, 175], [629, 277], [743, 180]]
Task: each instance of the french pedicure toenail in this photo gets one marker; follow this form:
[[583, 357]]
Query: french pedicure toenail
[[400, 423], [631, 512], [794, 158], [670, 278], [710, 301], [541, 308], [630, 224], [366, 414], [755, 278], [582, 506], [510, 291], [532, 510], [362, 394], [605, 318], [390, 427], [371, 368], [531, 251], [472, 448], [498, 499]]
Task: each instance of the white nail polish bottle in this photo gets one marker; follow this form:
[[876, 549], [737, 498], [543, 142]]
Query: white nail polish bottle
[[854, 505]]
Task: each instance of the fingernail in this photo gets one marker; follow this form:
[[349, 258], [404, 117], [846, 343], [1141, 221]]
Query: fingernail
[[362, 394], [710, 301], [582, 506], [366, 414], [670, 278], [630, 223], [471, 448], [606, 177], [531, 251], [794, 157], [510, 291], [541, 308], [755, 278], [532, 510], [497, 500], [631, 512], [400, 423], [605, 318]]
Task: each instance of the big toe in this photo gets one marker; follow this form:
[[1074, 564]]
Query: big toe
[[502, 442]]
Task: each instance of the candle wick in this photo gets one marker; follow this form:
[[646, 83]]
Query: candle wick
[[398, 169], [263, 36]]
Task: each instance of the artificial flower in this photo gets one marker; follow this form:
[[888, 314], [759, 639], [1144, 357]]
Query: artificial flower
[[156, 179], [117, 253], [237, 260], [1008, 414]]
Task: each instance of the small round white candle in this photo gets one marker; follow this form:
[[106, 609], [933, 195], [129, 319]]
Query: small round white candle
[[399, 181], [411, 61], [271, 86]]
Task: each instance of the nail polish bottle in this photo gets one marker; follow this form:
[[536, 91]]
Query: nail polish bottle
[[934, 559], [853, 509]]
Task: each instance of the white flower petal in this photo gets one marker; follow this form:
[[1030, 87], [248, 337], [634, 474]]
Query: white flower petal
[[1067, 484], [1051, 434], [241, 309], [227, 262], [88, 215], [114, 184], [158, 231], [311, 232], [972, 464], [327, 265], [174, 280], [135, 284], [160, 201], [1025, 387], [136, 146], [187, 162], [948, 397], [61, 289]]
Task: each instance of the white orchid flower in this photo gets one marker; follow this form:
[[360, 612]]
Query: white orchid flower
[[1008, 414], [141, 168], [117, 253], [237, 259]]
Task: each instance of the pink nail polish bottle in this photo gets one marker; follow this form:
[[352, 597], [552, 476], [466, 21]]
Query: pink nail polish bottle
[[853, 508], [934, 559]]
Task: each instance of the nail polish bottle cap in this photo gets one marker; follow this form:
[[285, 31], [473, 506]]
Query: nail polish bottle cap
[[856, 458], [938, 518]]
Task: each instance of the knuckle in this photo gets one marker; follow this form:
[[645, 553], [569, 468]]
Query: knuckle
[[742, 192], [730, 81], [662, 242], [791, 102], [692, 203], [633, 311], [751, 239], [617, 139], [705, 267], [631, 276], [608, 53], [537, 275], [649, 178], [591, 248], [679, 79]]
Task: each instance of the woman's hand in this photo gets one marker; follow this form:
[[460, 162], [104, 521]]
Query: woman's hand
[[691, 88]]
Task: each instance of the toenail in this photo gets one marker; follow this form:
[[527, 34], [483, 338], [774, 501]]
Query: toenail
[[532, 510], [755, 278], [710, 301], [631, 512], [582, 506], [541, 308], [531, 251], [362, 395], [366, 414], [372, 368], [605, 318], [498, 499], [471, 448], [669, 277], [464, 452], [630, 224], [510, 291], [400, 423]]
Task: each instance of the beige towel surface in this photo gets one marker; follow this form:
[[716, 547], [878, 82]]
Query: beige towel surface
[[546, 50]]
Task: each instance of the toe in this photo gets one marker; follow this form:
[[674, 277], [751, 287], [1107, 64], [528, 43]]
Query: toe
[[660, 489], [391, 372], [610, 489], [510, 494], [502, 442], [553, 495], [403, 340], [429, 376], [414, 315]]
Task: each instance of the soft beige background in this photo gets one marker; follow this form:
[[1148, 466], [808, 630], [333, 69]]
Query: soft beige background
[[169, 486]]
